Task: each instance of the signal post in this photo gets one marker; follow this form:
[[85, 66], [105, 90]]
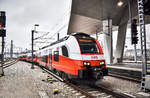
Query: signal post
[[2, 34], [32, 46], [134, 36], [143, 9]]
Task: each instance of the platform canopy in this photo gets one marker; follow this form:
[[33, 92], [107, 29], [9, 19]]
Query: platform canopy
[[87, 15]]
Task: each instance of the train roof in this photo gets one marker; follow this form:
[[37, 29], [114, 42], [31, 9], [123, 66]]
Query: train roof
[[56, 42], [78, 34]]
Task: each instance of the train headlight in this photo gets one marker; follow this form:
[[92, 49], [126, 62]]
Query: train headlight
[[86, 64], [102, 63]]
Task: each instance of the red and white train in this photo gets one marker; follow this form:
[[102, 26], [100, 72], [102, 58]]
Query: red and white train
[[77, 56]]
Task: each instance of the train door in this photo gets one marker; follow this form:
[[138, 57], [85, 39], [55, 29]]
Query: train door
[[50, 59], [65, 54], [56, 56]]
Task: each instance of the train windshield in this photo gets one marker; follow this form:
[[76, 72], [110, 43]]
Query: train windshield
[[88, 46]]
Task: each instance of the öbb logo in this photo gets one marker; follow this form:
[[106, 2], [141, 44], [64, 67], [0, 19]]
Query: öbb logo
[[94, 57]]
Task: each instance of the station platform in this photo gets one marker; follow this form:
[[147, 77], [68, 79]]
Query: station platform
[[130, 69]]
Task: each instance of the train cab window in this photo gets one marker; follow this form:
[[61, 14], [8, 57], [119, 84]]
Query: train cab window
[[88, 46], [64, 51], [56, 56]]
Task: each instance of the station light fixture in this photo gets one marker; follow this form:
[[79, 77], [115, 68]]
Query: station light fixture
[[120, 3]]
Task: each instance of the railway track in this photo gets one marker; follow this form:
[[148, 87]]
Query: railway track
[[89, 91], [102, 92], [6, 60], [9, 62], [137, 80]]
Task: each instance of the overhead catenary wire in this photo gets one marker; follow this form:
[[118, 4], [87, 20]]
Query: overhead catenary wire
[[41, 36], [45, 38], [55, 34]]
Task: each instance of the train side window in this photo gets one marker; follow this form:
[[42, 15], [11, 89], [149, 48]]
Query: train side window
[[45, 58], [56, 56], [64, 51]]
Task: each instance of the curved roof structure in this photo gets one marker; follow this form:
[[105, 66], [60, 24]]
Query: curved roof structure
[[87, 15]]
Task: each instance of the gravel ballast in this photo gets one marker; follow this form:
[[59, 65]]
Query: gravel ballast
[[20, 81], [120, 85]]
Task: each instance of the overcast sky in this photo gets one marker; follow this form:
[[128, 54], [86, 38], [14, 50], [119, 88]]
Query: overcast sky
[[51, 15], [23, 14]]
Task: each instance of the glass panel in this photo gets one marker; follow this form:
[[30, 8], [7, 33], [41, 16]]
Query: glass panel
[[64, 51], [88, 46]]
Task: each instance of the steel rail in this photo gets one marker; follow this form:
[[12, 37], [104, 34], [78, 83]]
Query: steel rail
[[84, 92], [88, 95], [124, 77], [121, 76], [10, 64], [113, 93]]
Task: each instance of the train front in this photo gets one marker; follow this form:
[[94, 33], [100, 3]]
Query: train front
[[93, 63]]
